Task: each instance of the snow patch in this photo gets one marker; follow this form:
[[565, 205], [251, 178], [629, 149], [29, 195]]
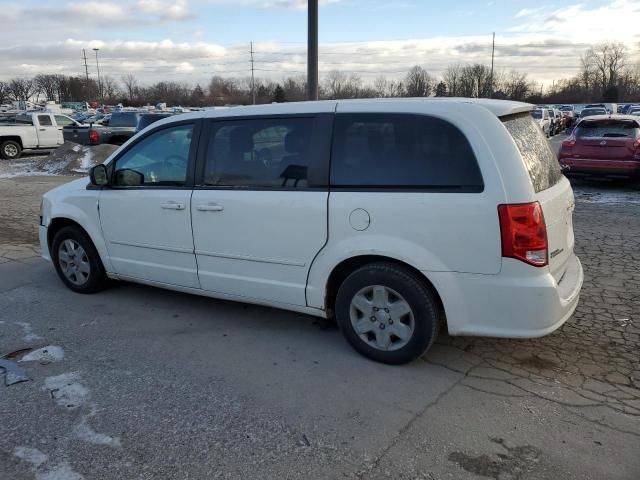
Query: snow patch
[[66, 390], [32, 455], [84, 432], [61, 471], [615, 198], [38, 459], [29, 336], [50, 353]]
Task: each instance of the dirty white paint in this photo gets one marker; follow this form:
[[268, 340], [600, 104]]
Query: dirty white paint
[[29, 336], [50, 353], [84, 432], [66, 390], [38, 461]]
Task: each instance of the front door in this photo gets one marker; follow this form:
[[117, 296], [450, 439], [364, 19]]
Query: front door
[[48, 133], [146, 213], [260, 212]]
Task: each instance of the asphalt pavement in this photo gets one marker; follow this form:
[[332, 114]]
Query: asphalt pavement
[[141, 383]]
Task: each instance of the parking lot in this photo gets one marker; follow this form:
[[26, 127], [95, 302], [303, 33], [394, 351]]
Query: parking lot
[[149, 384]]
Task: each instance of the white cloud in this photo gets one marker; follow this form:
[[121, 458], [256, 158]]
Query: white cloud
[[287, 4], [184, 67], [528, 12], [581, 23], [167, 9], [546, 45], [102, 10]]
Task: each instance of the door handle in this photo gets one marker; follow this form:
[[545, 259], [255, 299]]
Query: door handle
[[172, 206], [210, 207], [43, 129]]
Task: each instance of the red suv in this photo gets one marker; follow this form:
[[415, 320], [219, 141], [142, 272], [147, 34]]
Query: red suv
[[603, 145]]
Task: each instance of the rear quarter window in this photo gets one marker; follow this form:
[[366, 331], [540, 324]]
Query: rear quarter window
[[539, 159], [402, 151]]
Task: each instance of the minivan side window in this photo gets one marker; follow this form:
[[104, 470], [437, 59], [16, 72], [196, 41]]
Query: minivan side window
[[402, 151], [273, 153], [44, 120], [159, 159]]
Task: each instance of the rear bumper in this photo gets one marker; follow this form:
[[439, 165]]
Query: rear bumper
[[622, 168], [519, 302]]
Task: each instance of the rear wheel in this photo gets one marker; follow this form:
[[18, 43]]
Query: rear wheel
[[10, 150], [387, 313], [77, 262]]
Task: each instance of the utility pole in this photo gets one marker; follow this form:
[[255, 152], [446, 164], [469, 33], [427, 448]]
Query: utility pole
[[253, 80], [493, 51], [312, 51], [98, 68], [86, 69]]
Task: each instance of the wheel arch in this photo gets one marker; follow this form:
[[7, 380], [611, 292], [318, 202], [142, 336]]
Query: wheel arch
[[346, 267], [59, 222], [12, 138]]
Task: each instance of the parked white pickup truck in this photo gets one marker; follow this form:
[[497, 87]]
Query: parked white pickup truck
[[32, 131]]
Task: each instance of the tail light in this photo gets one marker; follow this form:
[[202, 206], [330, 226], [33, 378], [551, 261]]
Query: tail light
[[565, 147], [524, 233], [636, 150], [94, 137]]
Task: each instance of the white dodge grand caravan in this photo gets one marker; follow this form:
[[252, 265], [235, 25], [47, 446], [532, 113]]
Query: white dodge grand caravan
[[395, 216]]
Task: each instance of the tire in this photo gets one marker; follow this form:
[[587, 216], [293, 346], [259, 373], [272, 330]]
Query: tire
[[88, 274], [10, 150], [404, 288]]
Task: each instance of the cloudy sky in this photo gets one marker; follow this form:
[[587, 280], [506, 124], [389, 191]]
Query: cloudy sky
[[191, 40]]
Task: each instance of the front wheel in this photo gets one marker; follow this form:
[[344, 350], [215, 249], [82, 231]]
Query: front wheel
[[77, 262], [10, 150], [387, 313]]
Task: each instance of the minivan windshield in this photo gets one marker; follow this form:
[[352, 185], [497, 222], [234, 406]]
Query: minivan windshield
[[607, 128], [540, 161], [536, 114]]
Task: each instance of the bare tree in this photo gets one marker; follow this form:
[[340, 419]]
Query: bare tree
[[130, 83], [608, 61], [110, 88], [22, 89], [4, 92], [340, 85], [516, 85], [47, 84], [418, 83], [475, 81], [452, 79]]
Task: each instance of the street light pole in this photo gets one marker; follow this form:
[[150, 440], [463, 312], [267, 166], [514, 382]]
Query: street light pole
[[98, 68], [312, 51]]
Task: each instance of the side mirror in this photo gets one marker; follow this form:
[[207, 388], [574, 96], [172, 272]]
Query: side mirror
[[128, 178], [98, 175]]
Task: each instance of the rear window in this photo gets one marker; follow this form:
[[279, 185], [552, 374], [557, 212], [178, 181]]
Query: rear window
[[126, 119], [607, 128], [593, 111], [539, 159]]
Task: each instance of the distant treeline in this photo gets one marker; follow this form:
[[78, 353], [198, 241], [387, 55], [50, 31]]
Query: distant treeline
[[606, 75]]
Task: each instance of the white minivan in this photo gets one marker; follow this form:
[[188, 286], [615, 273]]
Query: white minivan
[[395, 217]]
